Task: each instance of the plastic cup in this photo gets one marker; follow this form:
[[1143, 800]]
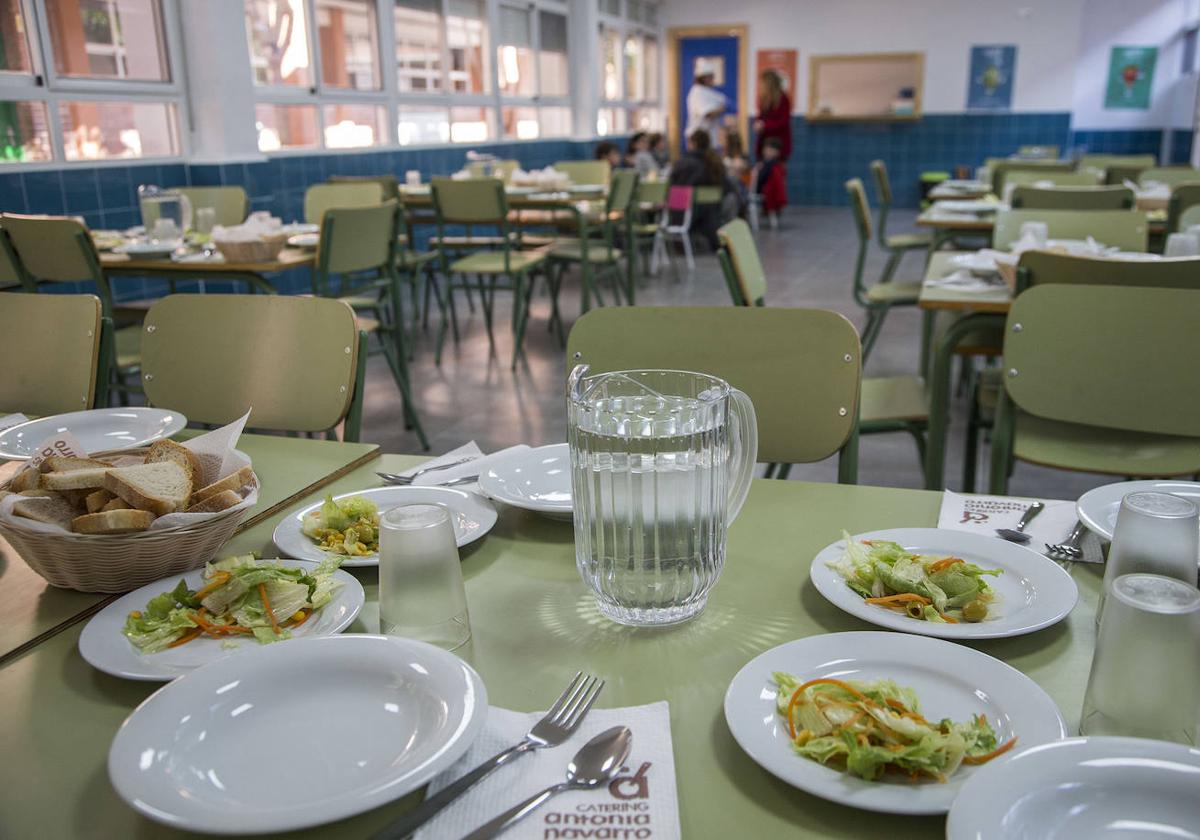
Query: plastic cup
[[1039, 232], [1182, 245]]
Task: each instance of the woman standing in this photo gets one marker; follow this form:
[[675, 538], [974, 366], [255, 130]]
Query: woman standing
[[774, 115]]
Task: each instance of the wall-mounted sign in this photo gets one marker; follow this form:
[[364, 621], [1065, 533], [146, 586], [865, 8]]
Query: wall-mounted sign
[[990, 79], [1130, 77]]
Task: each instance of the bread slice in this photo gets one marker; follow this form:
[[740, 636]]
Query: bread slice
[[96, 500], [112, 522], [233, 481], [115, 503], [77, 498], [25, 480], [69, 463], [216, 502], [160, 488], [169, 450], [90, 478], [44, 506]]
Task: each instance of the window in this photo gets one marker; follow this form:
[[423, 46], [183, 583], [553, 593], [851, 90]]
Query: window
[[634, 79], [610, 63], [466, 40], [14, 49], [278, 34], [346, 33], [419, 28], [629, 72], [107, 39], [554, 69], [520, 123], [514, 53], [420, 126], [24, 132], [555, 121], [285, 127], [101, 130], [349, 126], [470, 125]]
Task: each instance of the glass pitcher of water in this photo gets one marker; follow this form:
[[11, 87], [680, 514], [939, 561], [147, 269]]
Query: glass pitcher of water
[[166, 214], [661, 463]]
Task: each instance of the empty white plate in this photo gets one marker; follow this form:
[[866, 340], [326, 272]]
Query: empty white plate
[[304, 240], [1094, 788], [104, 646], [161, 248], [534, 479], [298, 734], [97, 430], [951, 681], [1033, 591], [1098, 508], [471, 515]]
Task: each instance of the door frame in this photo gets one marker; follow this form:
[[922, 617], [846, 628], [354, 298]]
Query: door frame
[[736, 30]]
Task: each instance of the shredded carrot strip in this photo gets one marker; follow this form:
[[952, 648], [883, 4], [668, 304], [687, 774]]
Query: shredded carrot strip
[[186, 637], [902, 598], [948, 619], [262, 591], [219, 580], [986, 757]]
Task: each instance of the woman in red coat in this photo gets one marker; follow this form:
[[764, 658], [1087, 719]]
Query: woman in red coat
[[774, 115]]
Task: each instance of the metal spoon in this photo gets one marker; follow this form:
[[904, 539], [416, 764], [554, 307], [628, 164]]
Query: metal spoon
[[1019, 535], [596, 763]]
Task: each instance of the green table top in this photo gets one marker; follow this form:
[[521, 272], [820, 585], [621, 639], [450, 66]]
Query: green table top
[[533, 625], [286, 468]]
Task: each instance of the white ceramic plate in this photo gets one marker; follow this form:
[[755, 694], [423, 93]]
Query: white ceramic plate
[[471, 515], [951, 681], [304, 240], [1094, 788], [1098, 508], [105, 648], [1034, 591], [976, 206], [149, 249], [534, 479], [96, 430], [295, 735]]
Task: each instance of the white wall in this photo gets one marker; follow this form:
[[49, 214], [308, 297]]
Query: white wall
[[1046, 33]]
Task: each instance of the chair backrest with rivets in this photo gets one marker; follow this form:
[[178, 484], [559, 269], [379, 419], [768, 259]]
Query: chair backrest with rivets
[[1172, 175], [1123, 229], [582, 172], [52, 347], [320, 197], [750, 278], [1072, 198]]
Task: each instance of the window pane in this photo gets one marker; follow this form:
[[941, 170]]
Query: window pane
[[610, 7], [278, 34], [555, 122], [418, 45], [646, 119], [469, 125], [108, 39], [650, 70], [99, 130], [553, 65], [422, 126], [519, 122], [610, 121], [24, 134], [352, 126], [514, 52], [349, 52], [610, 57], [650, 14], [633, 68], [14, 51], [285, 126], [633, 9], [466, 37]]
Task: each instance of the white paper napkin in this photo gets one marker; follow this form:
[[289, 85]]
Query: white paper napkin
[[478, 463], [640, 802], [963, 280], [984, 514]]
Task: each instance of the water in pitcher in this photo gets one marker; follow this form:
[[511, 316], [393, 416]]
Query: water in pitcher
[[651, 480]]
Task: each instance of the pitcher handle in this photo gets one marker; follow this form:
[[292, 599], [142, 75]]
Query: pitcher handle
[[743, 452]]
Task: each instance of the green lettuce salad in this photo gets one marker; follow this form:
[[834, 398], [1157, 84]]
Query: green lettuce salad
[[241, 596], [349, 527], [941, 589], [872, 729]]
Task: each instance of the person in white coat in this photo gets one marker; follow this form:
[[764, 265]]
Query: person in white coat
[[706, 106]]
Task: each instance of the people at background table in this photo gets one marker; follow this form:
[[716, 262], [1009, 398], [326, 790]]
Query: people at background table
[[774, 115], [770, 179], [660, 150], [701, 166], [737, 165], [638, 156], [609, 152], [706, 106]]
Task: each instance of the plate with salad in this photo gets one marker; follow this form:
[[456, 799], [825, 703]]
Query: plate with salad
[[347, 525], [173, 626], [884, 721], [949, 584]]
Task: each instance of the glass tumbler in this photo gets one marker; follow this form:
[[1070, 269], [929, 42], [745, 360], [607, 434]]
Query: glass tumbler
[[206, 219], [1156, 533], [421, 592], [1145, 678]]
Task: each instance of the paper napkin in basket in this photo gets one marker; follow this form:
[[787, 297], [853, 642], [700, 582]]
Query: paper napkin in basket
[[639, 802], [984, 514], [478, 463]]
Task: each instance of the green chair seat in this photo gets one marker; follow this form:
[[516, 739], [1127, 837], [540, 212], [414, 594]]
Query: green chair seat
[[413, 259], [492, 262], [531, 240], [893, 293], [129, 348], [1094, 449], [892, 398], [906, 241], [572, 250], [645, 228], [362, 301]]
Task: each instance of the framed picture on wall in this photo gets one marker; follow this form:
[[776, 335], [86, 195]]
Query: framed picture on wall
[[993, 68], [1130, 77]]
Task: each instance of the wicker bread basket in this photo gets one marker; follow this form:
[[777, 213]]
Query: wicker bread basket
[[121, 562], [259, 250]]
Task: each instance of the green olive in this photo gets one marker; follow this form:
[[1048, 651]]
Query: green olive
[[975, 611]]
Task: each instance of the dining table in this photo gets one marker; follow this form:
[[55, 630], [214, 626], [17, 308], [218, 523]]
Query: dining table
[[947, 226], [253, 274], [962, 190], [534, 624]]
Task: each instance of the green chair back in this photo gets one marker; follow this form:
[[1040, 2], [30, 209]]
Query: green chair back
[[1038, 268], [1171, 175], [1124, 229], [1062, 363], [1072, 198], [52, 249], [621, 191], [749, 279], [1123, 174], [388, 184], [230, 203], [1001, 169], [1184, 198], [503, 169], [708, 195], [1081, 178], [859, 208], [12, 276], [469, 201], [652, 192], [300, 371], [800, 367], [1106, 162], [357, 239], [56, 339], [320, 197], [585, 171], [882, 182]]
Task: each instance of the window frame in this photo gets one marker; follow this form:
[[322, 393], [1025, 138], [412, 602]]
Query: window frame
[[625, 26], [44, 84], [537, 100]]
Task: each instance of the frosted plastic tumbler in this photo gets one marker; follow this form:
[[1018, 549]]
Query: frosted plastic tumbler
[[1156, 533]]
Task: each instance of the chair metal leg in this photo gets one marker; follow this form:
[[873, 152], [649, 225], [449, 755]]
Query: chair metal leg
[[971, 449], [769, 472], [687, 252], [871, 329], [889, 268], [521, 298], [486, 304], [784, 470]]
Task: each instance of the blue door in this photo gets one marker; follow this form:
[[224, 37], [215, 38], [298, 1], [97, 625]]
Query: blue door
[[721, 50]]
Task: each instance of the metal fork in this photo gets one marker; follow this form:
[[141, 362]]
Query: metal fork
[[556, 726], [1069, 549], [393, 478]]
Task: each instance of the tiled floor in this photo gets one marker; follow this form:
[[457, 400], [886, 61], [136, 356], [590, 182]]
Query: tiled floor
[[475, 396]]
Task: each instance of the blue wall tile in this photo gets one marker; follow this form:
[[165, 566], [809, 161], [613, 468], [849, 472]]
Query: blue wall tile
[[1181, 146], [44, 192], [81, 191], [12, 192]]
